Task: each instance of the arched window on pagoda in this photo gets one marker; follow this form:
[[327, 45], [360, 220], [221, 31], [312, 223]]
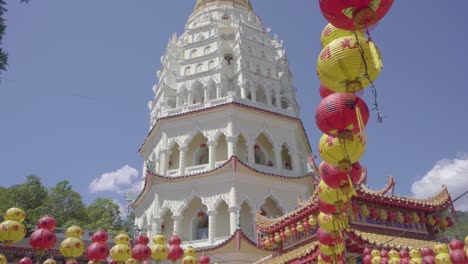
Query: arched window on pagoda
[[247, 220], [270, 208], [198, 151], [222, 220], [207, 50], [192, 221], [198, 94], [201, 225], [174, 157], [183, 97], [167, 225], [221, 149], [188, 71], [284, 103], [241, 149], [199, 68], [263, 151], [286, 158], [193, 54], [261, 95]]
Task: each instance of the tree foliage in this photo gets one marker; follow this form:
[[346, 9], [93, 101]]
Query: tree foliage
[[64, 204], [460, 229]]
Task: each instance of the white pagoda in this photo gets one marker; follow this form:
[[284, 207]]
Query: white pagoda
[[225, 141]]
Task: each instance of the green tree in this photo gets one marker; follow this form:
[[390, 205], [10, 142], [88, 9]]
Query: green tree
[[103, 213], [29, 196], [3, 53], [129, 223], [65, 205]]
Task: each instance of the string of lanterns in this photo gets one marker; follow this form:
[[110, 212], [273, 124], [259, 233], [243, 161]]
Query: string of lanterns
[[348, 63], [12, 230], [453, 253]]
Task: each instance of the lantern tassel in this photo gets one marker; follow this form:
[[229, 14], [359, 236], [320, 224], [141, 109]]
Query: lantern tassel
[[362, 129], [375, 56]]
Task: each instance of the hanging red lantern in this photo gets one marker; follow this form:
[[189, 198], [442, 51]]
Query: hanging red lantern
[[329, 238], [204, 260], [367, 259], [456, 244], [354, 14], [334, 178], [332, 208], [142, 239], [342, 114], [200, 214], [42, 239], [100, 236], [175, 250], [428, 260], [25, 260], [141, 252], [47, 222], [97, 251], [336, 258], [458, 256], [324, 91]]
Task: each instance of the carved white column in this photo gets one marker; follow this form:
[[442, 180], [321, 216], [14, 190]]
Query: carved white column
[[157, 228], [278, 159], [269, 96], [219, 91], [183, 154], [211, 226], [206, 94], [212, 153], [278, 98], [178, 100], [163, 161], [254, 95], [233, 215], [190, 97], [295, 160], [156, 165], [243, 93], [177, 224], [231, 144], [251, 154]]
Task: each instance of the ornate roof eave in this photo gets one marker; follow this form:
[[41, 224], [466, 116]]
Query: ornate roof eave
[[439, 201], [237, 237], [233, 164], [217, 108]]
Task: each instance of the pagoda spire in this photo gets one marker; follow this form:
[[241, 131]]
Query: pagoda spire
[[244, 3]]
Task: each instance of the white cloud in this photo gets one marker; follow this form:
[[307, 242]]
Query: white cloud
[[453, 173], [122, 208], [116, 181]]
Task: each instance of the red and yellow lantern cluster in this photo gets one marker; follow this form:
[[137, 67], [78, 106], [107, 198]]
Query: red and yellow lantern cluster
[[453, 253], [175, 250], [12, 229], [270, 241], [98, 250], [121, 252], [44, 237], [72, 247]]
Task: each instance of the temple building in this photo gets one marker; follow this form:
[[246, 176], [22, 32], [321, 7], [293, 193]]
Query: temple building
[[225, 138]]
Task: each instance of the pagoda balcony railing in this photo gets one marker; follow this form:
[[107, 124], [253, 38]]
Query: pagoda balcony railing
[[193, 169], [228, 99]]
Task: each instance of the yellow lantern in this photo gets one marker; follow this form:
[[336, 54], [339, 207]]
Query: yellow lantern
[[190, 256], [131, 261], [332, 196], [159, 252], [331, 33], [365, 212], [333, 223], [441, 248], [3, 259], [159, 239], [332, 249], [50, 261], [375, 253], [415, 217], [299, 227], [312, 221], [376, 260], [443, 258], [342, 68], [15, 214], [341, 152], [277, 237], [120, 252], [72, 247], [12, 231], [415, 253], [74, 231], [416, 261], [122, 239], [287, 231], [394, 261]]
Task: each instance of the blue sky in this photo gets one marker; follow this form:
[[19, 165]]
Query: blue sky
[[73, 104]]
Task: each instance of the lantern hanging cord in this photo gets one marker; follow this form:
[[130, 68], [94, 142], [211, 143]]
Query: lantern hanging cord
[[380, 117], [408, 229]]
